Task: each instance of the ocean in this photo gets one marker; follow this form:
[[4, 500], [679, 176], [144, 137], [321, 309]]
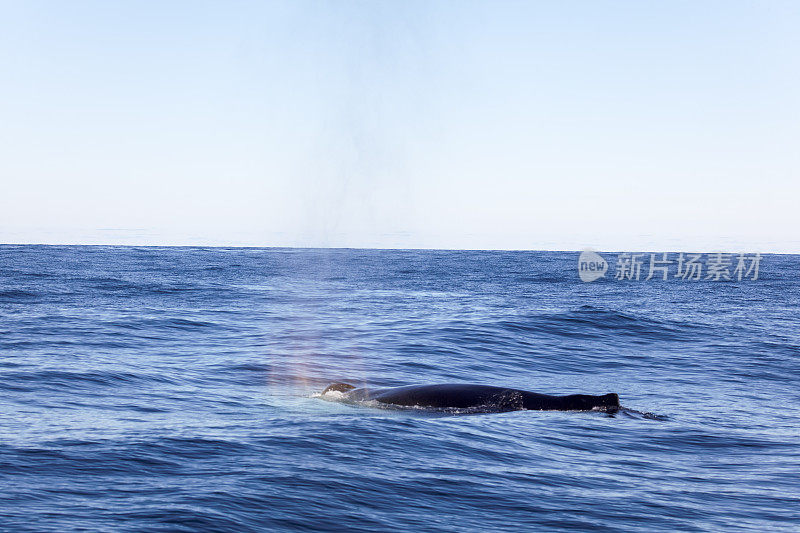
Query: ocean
[[177, 389]]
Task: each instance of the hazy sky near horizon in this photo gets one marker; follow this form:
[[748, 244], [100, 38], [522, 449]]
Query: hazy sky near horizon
[[514, 125]]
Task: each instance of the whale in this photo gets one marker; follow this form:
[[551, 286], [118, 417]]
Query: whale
[[485, 398]]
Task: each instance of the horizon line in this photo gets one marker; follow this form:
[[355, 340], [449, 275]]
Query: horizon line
[[387, 249]]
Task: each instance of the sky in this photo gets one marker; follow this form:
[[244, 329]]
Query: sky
[[625, 126]]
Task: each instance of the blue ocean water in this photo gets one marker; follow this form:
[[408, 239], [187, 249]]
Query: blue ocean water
[[173, 389]]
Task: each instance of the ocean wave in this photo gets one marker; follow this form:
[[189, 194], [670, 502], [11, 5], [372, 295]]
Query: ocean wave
[[17, 295], [592, 322], [63, 380]]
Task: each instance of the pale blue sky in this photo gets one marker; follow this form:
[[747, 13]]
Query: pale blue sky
[[516, 125]]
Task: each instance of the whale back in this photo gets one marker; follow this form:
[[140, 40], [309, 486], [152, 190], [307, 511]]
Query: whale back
[[483, 398]]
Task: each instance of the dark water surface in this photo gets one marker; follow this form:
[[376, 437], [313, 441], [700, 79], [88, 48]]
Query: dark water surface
[[173, 389]]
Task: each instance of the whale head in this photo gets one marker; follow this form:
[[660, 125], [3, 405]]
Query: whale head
[[338, 387]]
